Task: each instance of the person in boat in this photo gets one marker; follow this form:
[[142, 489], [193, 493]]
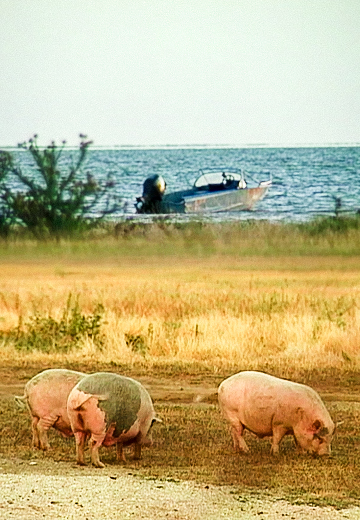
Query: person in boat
[[230, 183]]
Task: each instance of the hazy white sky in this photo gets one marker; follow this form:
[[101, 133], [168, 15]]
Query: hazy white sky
[[180, 71]]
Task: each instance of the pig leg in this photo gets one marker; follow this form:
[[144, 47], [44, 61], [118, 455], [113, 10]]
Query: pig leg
[[238, 439], [120, 455], [35, 433], [95, 443], [80, 438], [298, 447], [137, 451], [147, 441], [43, 427], [278, 433]]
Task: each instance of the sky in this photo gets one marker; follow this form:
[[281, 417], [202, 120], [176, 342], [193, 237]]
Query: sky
[[180, 72]]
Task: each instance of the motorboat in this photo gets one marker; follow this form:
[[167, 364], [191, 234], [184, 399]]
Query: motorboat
[[214, 190]]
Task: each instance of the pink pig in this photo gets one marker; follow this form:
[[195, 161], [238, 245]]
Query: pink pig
[[46, 396], [269, 406]]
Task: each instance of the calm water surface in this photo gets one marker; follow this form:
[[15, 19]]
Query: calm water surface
[[305, 180]]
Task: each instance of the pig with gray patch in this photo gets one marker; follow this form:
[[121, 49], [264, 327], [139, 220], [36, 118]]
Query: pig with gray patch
[[269, 406], [110, 409], [46, 397]]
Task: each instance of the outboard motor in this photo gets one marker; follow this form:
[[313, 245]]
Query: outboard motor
[[153, 191]]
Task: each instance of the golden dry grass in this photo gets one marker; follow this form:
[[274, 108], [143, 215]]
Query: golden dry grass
[[287, 314]]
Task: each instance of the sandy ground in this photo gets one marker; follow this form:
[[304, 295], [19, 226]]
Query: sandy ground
[[42, 489], [32, 490]]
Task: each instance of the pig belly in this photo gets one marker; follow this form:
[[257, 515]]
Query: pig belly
[[123, 438], [63, 425], [260, 424], [257, 414]]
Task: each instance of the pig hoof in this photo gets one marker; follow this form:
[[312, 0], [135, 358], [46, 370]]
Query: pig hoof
[[274, 453], [242, 451], [80, 463]]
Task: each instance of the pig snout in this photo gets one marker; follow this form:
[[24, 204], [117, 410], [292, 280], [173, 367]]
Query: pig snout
[[322, 447], [316, 440]]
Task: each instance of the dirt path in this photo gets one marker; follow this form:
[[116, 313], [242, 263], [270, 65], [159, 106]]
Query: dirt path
[[162, 389], [41, 490]]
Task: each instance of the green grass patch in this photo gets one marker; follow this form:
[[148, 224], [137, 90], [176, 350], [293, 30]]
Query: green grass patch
[[328, 236]]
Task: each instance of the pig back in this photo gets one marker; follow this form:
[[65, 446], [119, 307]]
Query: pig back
[[122, 399], [49, 390]]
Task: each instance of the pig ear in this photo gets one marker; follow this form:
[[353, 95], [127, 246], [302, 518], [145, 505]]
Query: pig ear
[[319, 430], [316, 426], [100, 397], [77, 399]]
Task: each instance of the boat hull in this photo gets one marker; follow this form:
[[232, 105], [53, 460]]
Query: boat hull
[[191, 201]]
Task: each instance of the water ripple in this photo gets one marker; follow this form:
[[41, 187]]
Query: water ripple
[[306, 181]]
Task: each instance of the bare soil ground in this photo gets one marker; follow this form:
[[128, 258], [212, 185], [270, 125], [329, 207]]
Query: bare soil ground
[[42, 488], [64, 491]]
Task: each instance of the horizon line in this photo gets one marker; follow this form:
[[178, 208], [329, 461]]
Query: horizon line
[[203, 146]]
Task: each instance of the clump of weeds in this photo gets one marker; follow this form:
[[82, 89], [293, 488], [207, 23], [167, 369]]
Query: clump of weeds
[[47, 334]]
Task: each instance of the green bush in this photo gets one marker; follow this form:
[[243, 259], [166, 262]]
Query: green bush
[[52, 203], [6, 216]]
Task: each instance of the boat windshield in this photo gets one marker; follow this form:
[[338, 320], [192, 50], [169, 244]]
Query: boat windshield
[[207, 179]]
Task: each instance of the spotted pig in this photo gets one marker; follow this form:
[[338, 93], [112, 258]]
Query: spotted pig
[[110, 409]]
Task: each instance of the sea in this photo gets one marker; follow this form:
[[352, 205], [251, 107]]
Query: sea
[[306, 181]]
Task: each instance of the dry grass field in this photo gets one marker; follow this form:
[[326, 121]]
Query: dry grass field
[[288, 315], [181, 323]]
